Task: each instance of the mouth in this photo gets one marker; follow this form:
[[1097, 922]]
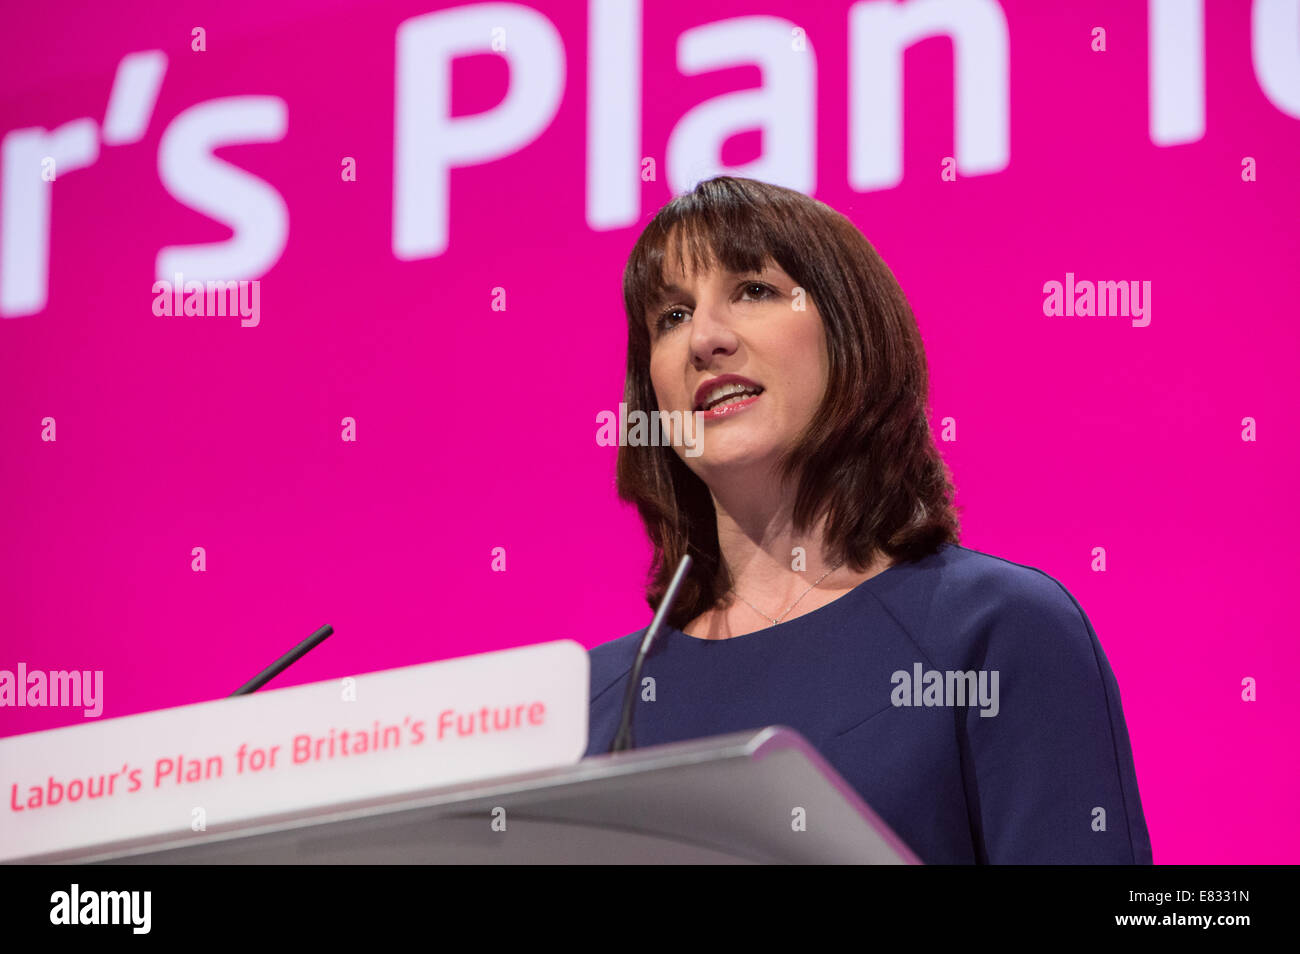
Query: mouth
[[726, 392]]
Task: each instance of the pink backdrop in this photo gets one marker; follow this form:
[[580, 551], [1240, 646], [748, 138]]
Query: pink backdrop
[[476, 426]]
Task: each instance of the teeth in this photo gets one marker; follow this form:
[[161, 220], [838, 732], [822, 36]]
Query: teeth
[[728, 393], [734, 399]]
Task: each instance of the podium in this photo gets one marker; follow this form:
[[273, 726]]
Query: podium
[[761, 796]]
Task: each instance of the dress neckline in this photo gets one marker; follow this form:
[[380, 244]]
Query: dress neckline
[[812, 617]]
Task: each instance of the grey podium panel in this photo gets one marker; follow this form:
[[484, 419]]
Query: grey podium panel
[[723, 800]]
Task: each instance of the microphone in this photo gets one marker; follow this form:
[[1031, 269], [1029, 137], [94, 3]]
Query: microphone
[[623, 738], [284, 662]]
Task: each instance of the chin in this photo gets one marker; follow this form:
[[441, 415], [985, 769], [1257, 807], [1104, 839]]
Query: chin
[[722, 460]]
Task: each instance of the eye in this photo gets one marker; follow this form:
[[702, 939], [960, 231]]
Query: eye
[[760, 292], [664, 322]]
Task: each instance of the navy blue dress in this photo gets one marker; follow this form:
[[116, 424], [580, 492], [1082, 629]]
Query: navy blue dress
[[1035, 770]]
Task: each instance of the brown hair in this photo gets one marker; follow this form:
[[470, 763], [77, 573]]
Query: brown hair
[[867, 460]]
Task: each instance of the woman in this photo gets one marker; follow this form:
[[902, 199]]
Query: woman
[[828, 590]]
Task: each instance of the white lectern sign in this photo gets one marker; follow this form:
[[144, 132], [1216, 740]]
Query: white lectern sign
[[281, 751]]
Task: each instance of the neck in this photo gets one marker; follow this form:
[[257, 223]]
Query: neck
[[783, 574], [770, 564]]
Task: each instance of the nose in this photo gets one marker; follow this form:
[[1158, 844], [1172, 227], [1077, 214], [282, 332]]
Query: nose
[[711, 333]]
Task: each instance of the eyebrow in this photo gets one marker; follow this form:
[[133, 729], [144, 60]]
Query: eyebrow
[[664, 294], [669, 291]]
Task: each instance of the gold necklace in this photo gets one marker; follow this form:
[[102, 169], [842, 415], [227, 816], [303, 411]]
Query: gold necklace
[[792, 605]]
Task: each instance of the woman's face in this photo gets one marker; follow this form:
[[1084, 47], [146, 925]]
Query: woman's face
[[719, 326]]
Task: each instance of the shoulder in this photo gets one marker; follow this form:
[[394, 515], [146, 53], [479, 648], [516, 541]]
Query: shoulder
[[1023, 627], [971, 603], [611, 661], [971, 577]]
